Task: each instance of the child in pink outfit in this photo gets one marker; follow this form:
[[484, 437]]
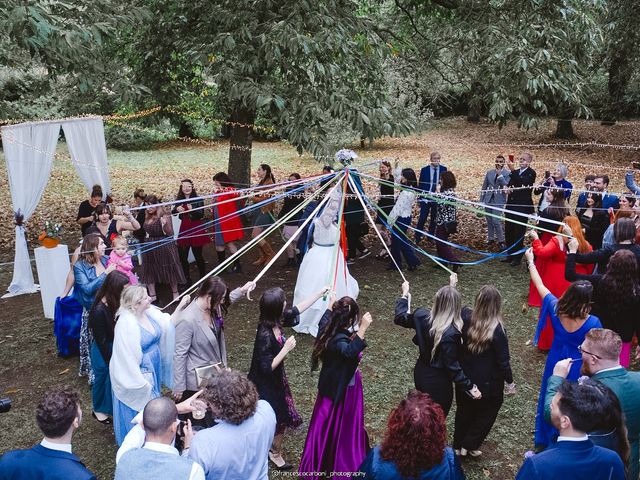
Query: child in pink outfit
[[122, 259]]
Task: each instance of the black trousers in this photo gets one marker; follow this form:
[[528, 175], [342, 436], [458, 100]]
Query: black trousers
[[183, 252], [436, 383], [474, 419], [354, 244], [513, 232]]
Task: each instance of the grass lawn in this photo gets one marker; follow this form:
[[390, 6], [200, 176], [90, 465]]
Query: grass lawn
[[28, 361]]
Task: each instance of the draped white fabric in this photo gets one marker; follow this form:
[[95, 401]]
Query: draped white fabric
[[85, 139], [29, 150]]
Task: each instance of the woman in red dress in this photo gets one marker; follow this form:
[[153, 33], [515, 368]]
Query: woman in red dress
[[227, 226], [192, 234], [554, 256], [554, 208]]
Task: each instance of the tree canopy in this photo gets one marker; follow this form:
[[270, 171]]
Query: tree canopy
[[319, 74]]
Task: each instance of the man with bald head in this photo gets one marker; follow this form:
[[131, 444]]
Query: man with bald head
[[151, 454], [519, 202]]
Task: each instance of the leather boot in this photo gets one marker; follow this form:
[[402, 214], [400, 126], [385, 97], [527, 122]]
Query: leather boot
[[268, 252], [260, 260]]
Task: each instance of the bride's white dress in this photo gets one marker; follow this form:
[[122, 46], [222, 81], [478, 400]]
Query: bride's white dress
[[317, 271]]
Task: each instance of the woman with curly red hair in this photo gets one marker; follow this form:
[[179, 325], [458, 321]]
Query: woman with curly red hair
[[414, 444]]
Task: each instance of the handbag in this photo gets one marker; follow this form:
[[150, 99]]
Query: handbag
[[208, 371], [451, 227], [67, 320]]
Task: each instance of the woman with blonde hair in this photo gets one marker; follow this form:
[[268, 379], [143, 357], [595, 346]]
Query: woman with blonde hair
[[550, 260], [142, 356], [485, 359], [438, 339]]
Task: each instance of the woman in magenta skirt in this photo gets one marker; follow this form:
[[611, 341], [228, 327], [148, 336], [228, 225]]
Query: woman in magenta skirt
[[337, 440]]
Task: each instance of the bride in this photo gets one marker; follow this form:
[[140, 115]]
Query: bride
[[319, 267]]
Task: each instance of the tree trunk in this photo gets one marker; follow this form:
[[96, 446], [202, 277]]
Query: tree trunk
[[240, 142], [473, 115], [185, 130], [474, 103], [564, 129], [619, 76]]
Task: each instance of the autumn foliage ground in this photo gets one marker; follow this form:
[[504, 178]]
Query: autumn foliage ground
[[29, 365]]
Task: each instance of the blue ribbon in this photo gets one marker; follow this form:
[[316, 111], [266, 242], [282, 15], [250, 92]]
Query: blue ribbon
[[148, 246], [488, 255]]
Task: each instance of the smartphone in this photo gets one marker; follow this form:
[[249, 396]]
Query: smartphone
[[547, 174], [511, 157]]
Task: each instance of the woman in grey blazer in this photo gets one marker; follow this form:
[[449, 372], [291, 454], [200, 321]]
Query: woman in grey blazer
[[494, 195], [200, 333]]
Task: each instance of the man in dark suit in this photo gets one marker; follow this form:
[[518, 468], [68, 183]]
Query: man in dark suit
[[601, 361], [609, 200], [519, 202], [58, 416], [574, 412], [429, 178]]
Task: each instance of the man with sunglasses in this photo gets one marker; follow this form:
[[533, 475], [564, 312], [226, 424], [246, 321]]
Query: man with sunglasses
[[601, 361]]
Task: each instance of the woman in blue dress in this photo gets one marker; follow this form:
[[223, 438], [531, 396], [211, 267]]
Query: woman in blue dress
[[570, 320], [142, 356], [89, 272]]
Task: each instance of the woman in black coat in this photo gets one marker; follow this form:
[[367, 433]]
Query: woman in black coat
[[267, 363], [101, 324], [439, 340], [485, 359]]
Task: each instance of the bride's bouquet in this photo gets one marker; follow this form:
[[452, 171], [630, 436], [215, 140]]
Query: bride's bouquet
[[345, 156]]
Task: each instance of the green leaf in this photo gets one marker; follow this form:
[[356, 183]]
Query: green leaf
[[229, 42]]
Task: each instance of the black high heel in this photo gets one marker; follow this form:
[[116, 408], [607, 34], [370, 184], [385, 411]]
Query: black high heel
[[106, 421]]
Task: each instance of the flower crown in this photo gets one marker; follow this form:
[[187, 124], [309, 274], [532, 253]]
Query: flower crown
[[345, 156]]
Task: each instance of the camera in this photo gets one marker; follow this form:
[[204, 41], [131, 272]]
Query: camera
[[5, 405]]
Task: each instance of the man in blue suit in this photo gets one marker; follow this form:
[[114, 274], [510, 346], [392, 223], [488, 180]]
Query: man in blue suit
[[609, 200], [58, 416], [429, 178], [574, 412]]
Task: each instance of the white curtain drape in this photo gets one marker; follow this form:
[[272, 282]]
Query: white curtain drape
[[29, 150], [85, 139]]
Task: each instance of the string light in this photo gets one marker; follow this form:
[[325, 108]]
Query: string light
[[562, 145]]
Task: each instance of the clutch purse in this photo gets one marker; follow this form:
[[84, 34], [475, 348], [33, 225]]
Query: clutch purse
[[208, 371]]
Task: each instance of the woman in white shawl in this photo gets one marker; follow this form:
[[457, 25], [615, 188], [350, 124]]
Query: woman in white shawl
[[142, 356]]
